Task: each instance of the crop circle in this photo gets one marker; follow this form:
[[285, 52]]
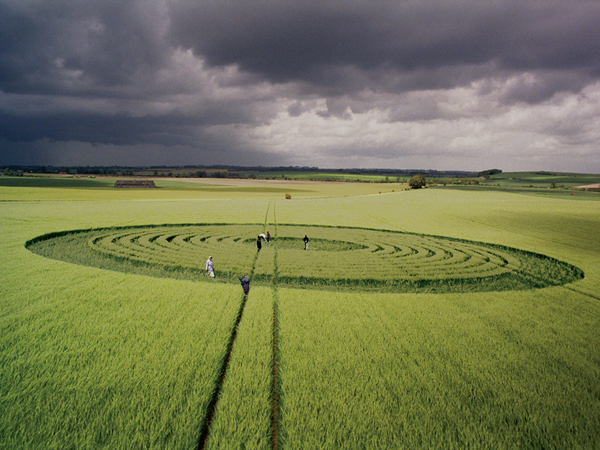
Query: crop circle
[[336, 258]]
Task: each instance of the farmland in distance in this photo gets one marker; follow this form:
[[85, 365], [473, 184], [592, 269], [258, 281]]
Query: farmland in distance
[[96, 358]]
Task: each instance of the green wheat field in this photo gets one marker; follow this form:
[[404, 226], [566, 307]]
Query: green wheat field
[[433, 318]]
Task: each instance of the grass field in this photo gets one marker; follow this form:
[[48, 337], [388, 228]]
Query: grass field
[[543, 179], [102, 188], [97, 358]]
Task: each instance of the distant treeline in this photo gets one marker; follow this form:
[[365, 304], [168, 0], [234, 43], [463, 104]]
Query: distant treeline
[[226, 171], [489, 173]]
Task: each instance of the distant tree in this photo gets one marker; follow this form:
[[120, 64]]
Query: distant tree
[[489, 173], [12, 173], [417, 182]]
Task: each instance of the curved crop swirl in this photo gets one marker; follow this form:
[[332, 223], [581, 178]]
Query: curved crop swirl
[[337, 257]]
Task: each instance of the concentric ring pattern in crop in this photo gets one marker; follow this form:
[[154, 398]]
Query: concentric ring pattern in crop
[[336, 258]]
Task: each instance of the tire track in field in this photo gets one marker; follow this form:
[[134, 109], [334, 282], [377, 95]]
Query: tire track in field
[[577, 291], [276, 381], [387, 222], [267, 213], [212, 405]]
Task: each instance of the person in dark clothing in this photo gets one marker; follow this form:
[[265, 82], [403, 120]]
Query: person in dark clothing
[[305, 242], [259, 243], [268, 236], [245, 284]]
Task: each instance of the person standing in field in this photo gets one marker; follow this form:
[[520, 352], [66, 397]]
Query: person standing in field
[[245, 285], [305, 242], [209, 267], [268, 236], [259, 243]]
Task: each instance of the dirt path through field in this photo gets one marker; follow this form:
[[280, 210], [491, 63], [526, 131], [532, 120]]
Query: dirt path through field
[[276, 384], [275, 380], [212, 406]]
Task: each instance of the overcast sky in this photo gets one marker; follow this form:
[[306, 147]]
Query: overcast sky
[[430, 84]]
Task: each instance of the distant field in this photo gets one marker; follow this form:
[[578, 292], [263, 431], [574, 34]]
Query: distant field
[[567, 194], [555, 185], [332, 176], [102, 188], [92, 356], [57, 182], [534, 179]]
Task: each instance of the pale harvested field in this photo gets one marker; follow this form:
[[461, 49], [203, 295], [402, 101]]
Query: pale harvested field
[[590, 186]]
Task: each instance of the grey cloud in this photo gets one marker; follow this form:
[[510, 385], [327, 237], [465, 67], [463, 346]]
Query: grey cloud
[[207, 73], [299, 107], [426, 109], [79, 46], [121, 129], [101, 129], [539, 86], [311, 41], [336, 108]]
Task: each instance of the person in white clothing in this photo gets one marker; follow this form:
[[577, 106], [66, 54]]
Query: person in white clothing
[[210, 271]]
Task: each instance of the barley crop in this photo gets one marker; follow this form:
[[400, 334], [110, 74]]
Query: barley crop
[[338, 257]]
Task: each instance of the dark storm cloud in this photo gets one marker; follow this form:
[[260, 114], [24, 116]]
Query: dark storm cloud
[[314, 41], [101, 44], [282, 76], [109, 129], [120, 129]]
